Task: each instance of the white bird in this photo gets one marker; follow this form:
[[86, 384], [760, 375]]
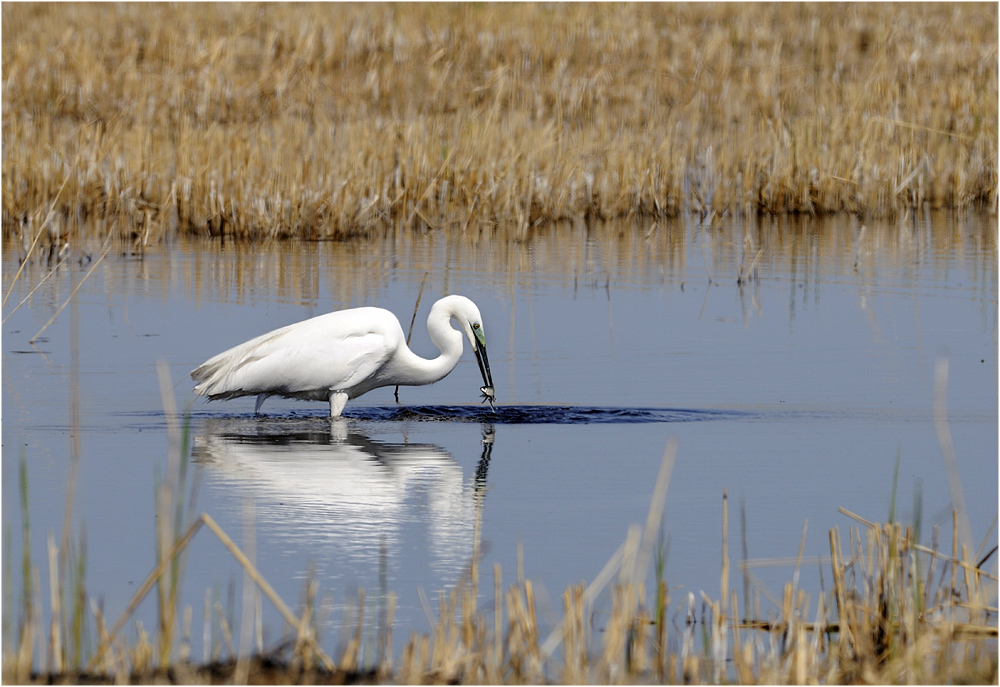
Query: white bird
[[341, 355]]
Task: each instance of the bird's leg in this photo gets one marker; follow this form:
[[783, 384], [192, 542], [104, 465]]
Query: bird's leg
[[260, 402], [338, 399]]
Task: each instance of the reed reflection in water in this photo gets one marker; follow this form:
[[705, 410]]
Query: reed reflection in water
[[322, 483]]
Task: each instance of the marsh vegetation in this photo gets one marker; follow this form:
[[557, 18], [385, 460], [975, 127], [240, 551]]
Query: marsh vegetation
[[329, 121]]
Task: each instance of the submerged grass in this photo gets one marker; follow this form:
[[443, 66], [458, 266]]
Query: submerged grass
[[330, 121]]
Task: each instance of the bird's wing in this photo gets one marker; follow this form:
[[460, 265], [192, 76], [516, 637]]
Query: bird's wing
[[325, 352], [305, 366]]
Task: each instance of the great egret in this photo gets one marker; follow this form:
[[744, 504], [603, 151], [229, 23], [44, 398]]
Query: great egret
[[343, 354]]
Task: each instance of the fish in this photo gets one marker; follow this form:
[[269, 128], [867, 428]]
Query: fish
[[489, 395]]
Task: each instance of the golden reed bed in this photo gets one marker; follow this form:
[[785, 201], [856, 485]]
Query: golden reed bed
[[333, 120]]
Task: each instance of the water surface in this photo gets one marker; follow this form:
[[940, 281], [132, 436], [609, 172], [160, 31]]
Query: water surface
[[793, 361]]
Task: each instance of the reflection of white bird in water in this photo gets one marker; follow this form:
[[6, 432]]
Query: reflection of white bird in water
[[343, 354], [314, 487]]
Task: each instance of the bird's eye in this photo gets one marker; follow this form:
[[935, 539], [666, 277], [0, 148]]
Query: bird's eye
[[475, 326]]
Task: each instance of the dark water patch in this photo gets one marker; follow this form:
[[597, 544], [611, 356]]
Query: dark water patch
[[316, 420], [539, 414], [504, 415]]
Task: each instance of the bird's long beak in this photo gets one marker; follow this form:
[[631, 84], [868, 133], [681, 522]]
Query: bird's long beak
[[484, 366]]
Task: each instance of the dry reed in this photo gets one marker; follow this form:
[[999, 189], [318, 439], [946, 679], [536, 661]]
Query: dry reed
[[334, 120]]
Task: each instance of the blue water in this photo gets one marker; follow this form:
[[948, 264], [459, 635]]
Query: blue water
[[797, 392]]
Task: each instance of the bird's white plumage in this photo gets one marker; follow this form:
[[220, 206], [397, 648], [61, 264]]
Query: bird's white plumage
[[341, 355]]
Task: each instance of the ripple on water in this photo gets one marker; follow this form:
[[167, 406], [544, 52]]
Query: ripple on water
[[539, 414], [503, 415]]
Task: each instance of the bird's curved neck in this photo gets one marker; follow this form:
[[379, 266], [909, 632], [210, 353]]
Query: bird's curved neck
[[427, 371], [448, 340]]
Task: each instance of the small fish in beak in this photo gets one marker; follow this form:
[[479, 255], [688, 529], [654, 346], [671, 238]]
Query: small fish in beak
[[489, 395]]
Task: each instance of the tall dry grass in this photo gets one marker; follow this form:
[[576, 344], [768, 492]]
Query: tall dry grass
[[332, 120]]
